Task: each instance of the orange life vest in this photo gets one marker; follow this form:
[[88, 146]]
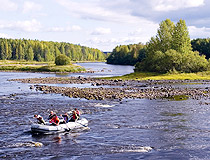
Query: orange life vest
[[55, 120]]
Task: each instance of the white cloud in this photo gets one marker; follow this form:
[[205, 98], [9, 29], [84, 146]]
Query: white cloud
[[138, 31], [26, 26], [108, 44], [101, 31], [8, 5], [171, 5], [3, 35], [76, 28], [202, 32], [96, 10], [65, 29], [30, 6], [115, 41], [194, 3], [82, 9]]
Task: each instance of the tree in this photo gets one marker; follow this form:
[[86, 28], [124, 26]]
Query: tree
[[163, 40], [9, 52], [47, 55], [17, 49], [126, 54], [62, 49], [202, 46], [164, 35], [30, 54], [171, 50], [181, 39], [57, 51], [62, 60]]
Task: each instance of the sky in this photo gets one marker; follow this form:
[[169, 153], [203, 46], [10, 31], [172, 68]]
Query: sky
[[101, 24]]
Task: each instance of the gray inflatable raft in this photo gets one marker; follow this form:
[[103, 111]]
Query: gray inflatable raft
[[50, 129]]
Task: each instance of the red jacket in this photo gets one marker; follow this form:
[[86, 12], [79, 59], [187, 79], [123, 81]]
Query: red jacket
[[55, 120], [78, 113]]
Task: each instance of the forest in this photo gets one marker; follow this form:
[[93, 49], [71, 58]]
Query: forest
[[202, 46], [127, 54], [45, 51], [170, 50]]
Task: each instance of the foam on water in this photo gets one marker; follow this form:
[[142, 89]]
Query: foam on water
[[103, 105], [25, 144], [139, 149]]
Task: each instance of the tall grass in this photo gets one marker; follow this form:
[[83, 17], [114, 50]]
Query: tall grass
[[38, 67], [168, 76]]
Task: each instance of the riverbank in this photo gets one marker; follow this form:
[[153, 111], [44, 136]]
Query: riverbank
[[22, 66], [120, 89], [168, 76]]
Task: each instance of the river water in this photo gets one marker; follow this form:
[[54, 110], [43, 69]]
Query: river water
[[124, 130]]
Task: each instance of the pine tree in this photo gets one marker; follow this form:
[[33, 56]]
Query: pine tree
[[2, 51], [19, 51], [30, 54], [9, 55], [62, 49], [57, 51]]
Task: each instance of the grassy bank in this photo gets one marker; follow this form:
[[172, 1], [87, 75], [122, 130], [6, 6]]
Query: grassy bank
[[167, 76], [38, 67], [13, 62]]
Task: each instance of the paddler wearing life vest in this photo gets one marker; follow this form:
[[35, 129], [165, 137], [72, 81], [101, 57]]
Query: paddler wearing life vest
[[40, 119], [55, 120], [74, 116], [51, 115], [77, 112]]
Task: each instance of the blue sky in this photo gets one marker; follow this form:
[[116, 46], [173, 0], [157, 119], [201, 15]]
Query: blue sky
[[101, 24]]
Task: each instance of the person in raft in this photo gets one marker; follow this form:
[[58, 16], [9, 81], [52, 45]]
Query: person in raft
[[55, 120], [39, 118], [74, 117], [51, 115], [65, 117], [77, 112]]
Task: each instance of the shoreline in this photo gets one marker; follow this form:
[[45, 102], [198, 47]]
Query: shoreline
[[40, 67], [16, 71]]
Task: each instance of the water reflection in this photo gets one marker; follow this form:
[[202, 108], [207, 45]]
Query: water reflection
[[107, 70]]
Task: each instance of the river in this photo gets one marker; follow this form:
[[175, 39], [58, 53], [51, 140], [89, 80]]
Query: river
[[124, 130]]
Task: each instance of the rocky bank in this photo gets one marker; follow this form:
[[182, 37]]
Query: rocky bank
[[151, 89]]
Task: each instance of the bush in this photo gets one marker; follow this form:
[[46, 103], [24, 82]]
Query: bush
[[173, 60], [62, 60]]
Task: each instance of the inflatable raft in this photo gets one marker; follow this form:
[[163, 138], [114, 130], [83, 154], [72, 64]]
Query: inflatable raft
[[50, 129]]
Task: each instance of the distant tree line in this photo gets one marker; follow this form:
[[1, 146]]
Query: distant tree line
[[34, 50], [202, 46], [127, 54], [169, 50]]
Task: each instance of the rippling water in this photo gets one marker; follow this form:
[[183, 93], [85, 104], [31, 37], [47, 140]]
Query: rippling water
[[128, 129]]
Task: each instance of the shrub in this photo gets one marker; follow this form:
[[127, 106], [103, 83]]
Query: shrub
[[62, 60], [173, 60]]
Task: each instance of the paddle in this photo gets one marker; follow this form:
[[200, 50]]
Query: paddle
[[30, 120], [68, 129]]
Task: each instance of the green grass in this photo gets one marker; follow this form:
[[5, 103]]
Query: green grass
[[38, 67], [10, 62], [178, 97], [65, 68], [156, 76]]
